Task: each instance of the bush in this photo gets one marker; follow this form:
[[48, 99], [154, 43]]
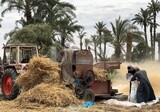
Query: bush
[[112, 74]]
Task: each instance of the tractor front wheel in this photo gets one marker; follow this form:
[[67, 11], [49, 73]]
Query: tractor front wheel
[[10, 89]]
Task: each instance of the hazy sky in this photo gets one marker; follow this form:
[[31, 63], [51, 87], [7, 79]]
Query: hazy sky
[[88, 13]]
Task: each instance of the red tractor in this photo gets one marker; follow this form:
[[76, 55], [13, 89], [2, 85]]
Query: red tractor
[[76, 66], [15, 59]]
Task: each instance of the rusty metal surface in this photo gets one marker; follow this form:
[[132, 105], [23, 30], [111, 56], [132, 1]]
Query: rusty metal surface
[[101, 87], [108, 65], [83, 60]]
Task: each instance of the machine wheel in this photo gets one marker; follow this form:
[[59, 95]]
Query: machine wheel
[[113, 92], [10, 89], [79, 89], [88, 95], [89, 77]]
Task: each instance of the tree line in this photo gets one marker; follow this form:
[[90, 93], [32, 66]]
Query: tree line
[[52, 22]]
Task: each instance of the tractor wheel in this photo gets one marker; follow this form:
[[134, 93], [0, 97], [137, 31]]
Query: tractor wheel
[[10, 89], [88, 95]]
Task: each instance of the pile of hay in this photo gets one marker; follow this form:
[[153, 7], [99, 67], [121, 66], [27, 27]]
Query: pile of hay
[[40, 70], [48, 95], [100, 74], [41, 84]]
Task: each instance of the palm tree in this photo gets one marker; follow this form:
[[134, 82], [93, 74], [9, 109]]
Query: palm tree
[[94, 40], [151, 37], [154, 8], [66, 28], [81, 35], [100, 27], [26, 6], [152, 40], [37, 10], [58, 14], [119, 35], [57, 11], [143, 18], [133, 35], [106, 38]]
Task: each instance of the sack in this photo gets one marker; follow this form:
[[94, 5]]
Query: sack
[[132, 96]]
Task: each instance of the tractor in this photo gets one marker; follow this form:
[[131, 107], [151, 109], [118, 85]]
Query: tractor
[[15, 59], [76, 67]]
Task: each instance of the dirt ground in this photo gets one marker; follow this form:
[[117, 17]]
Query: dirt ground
[[11, 106], [120, 83]]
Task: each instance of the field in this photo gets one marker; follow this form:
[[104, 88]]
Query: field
[[119, 82]]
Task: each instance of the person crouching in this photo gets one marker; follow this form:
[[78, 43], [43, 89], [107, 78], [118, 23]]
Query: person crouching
[[140, 86]]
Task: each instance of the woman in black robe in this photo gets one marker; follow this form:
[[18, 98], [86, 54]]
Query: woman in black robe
[[145, 91]]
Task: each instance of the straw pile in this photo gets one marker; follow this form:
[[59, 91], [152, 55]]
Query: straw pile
[[41, 84], [40, 70], [48, 95], [100, 74]]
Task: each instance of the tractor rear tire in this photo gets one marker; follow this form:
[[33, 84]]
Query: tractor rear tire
[[10, 89], [89, 95]]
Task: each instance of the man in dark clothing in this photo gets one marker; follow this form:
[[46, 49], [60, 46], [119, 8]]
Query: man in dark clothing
[[145, 91]]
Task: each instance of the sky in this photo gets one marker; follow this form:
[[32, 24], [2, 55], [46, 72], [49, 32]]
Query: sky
[[88, 13]]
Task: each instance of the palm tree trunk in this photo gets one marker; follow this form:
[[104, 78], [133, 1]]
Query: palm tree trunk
[[159, 50], [86, 46], [81, 44], [118, 52], [63, 39], [28, 14], [154, 36], [129, 48], [104, 53], [29, 18], [95, 51], [100, 39], [145, 33], [151, 35]]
